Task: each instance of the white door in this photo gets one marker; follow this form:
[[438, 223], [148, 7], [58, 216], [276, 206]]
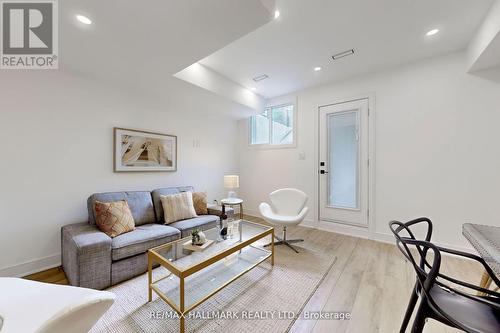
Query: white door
[[343, 163]]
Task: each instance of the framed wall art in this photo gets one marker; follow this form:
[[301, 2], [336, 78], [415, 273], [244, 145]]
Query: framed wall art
[[139, 151]]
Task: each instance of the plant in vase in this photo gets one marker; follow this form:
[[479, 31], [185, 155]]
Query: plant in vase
[[198, 237]]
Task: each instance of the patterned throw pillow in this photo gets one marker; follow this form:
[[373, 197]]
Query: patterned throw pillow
[[200, 203], [178, 207], [113, 218]]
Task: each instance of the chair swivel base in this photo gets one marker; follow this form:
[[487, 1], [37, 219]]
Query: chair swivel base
[[287, 242]]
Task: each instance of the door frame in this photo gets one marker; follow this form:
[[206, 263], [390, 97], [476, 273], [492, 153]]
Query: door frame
[[350, 228]]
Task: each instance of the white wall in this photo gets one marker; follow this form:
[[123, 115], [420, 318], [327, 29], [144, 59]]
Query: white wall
[[484, 48], [436, 148], [56, 149]]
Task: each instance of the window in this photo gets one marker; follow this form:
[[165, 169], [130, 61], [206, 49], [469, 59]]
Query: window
[[260, 128], [275, 126]]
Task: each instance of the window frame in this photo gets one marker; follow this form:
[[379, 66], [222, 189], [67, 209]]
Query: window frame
[[270, 145]]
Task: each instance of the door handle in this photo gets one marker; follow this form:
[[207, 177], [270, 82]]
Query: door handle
[[323, 172]]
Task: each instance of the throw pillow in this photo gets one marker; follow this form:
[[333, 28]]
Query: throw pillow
[[178, 207], [200, 203], [113, 218]]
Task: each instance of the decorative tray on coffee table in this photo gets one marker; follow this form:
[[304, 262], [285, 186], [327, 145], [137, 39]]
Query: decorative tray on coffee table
[[196, 248]]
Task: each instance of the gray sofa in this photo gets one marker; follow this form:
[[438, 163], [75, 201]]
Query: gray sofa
[[92, 259]]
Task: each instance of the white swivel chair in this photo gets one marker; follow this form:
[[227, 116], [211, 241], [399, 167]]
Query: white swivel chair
[[288, 207], [30, 306]]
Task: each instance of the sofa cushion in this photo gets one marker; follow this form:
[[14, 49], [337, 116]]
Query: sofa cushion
[[113, 218], [200, 203], [201, 222], [139, 202], [140, 240], [178, 207], [166, 191]]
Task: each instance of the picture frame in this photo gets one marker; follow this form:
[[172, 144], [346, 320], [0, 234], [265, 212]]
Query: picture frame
[[143, 151]]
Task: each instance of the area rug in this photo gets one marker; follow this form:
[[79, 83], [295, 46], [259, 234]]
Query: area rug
[[266, 299]]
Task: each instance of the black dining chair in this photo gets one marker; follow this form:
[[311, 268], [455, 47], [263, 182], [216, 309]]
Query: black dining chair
[[440, 301]]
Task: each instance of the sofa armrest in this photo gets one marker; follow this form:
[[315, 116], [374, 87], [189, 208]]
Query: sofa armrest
[[86, 256], [217, 210]]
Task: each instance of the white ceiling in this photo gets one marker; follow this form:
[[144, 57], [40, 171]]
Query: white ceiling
[[384, 33], [140, 45]]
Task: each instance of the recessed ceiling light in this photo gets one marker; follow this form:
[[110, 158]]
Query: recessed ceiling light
[[83, 19], [276, 14], [317, 68], [432, 32], [253, 88]]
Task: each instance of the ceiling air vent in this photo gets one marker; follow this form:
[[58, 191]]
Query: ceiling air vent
[[260, 77], [343, 54]]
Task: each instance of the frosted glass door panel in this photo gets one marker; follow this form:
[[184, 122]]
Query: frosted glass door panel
[[343, 162]]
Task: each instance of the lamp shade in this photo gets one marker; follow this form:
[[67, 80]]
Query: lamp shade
[[231, 181]]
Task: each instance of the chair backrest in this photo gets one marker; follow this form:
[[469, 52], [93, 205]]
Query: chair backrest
[[288, 201], [406, 240], [428, 273], [79, 319], [429, 265], [64, 308]]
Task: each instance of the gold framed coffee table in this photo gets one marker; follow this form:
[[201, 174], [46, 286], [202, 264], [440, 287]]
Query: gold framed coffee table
[[194, 277]]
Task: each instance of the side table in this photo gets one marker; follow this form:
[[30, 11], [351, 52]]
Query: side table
[[233, 202]]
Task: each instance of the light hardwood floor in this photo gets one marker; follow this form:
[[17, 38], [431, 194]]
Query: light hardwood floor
[[370, 280], [54, 275]]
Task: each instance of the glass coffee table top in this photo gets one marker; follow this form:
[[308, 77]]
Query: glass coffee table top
[[181, 258], [207, 271]]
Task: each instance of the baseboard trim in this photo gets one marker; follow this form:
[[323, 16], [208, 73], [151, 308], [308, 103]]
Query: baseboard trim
[[362, 233], [32, 266]]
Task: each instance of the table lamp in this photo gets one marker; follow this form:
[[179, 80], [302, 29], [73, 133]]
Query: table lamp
[[231, 182]]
